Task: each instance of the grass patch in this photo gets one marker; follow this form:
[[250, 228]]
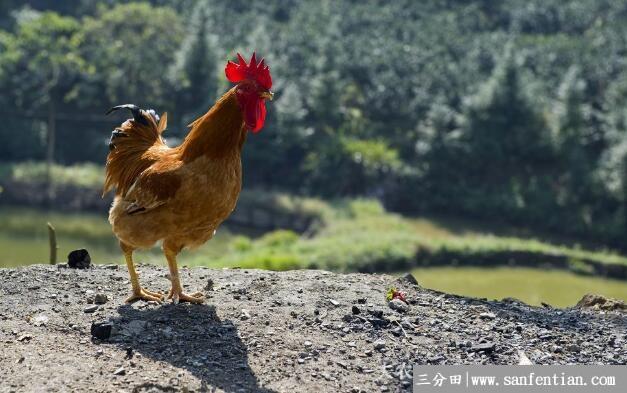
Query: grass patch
[[533, 286], [341, 235], [87, 175], [358, 235], [28, 222]]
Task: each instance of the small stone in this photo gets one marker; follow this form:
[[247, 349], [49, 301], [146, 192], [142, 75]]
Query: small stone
[[101, 330], [484, 347], [398, 305], [39, 320], [379, 345], [487, 315], [79, 259], [120, 371], [573, 348], [91, 309], [308, 344], [376, 313], [100, 298], [334, 302], [408, 277], [24, 337], [557, 349], [244, 314], [406, 324]]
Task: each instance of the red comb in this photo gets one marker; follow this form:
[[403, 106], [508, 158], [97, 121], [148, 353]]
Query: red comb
[[259, 72]]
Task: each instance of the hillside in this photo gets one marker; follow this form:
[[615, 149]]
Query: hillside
[[270, 331], [509, 110]]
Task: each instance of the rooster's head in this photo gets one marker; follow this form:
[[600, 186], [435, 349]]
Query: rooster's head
[[253, 88]]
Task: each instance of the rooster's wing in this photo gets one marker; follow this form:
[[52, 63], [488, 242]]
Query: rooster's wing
[[154, 187]]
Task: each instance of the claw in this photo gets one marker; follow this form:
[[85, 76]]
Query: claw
[[196, 297], [146, 295]]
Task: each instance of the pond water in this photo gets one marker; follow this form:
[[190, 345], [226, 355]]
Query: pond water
[[24, 241]]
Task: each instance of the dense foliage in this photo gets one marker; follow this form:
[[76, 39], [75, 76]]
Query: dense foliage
[[511, 110]]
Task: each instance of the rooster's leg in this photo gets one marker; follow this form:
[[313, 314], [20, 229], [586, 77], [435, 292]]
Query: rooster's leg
[[176, 292], [139, 293]]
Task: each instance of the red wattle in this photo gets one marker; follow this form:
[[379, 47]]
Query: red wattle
[[254, 109], [260, 115]]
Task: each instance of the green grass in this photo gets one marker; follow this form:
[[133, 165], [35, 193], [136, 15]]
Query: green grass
[[533, 286], [345, 235], [87, 175], [361, 236], [354, 235]]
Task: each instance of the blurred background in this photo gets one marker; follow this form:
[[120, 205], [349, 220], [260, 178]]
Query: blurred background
[[481, 145]]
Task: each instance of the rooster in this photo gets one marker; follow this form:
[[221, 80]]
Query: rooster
[[181, 195]]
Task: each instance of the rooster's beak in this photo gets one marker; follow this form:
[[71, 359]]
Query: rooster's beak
[[267, 94]]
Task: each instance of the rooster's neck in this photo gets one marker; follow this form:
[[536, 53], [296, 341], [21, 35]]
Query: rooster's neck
[[218, 133]]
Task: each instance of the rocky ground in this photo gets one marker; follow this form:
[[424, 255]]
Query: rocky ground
[[271, 332]]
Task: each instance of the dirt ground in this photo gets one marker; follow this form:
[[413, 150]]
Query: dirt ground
[[262, 331]]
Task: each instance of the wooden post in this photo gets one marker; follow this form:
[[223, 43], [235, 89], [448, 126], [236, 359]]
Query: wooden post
[[52, 237]]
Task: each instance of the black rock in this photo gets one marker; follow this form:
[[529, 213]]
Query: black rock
[[409, 278], [101, 330], [356, 310], [79, 259], [378, 322]]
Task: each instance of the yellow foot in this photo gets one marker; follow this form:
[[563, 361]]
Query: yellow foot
[[144, 294], [197, 297]]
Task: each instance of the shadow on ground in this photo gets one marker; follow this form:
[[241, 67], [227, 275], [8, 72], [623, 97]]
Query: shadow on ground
[[189, 337]]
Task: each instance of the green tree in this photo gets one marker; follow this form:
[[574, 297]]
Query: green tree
[[195, 71], [506, 155], [573, 141], [129, 47], [39, 66]]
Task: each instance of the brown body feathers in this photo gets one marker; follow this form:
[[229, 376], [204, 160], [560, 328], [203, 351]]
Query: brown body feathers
[[182, 194]]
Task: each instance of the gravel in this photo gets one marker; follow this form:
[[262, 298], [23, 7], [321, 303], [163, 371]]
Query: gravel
[[288, 331]]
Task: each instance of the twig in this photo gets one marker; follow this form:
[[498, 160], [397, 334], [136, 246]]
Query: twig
[[400, 326]]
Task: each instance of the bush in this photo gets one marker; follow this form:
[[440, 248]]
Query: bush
[[360, 236]]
